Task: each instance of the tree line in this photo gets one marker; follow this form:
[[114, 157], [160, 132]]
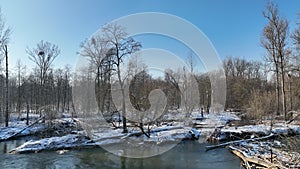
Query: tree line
[[256, 87], [43, 90]]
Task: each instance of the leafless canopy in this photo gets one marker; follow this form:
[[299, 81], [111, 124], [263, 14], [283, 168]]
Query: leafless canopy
[[95, 50], [4, 33], [121, 45], [274, 38], [43, 56], [296, 36]]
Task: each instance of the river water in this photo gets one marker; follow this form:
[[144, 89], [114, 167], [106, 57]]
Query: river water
[[187, 154]]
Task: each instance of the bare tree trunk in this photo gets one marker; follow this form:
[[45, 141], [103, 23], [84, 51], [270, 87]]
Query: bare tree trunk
[[19, 89], [27, 114], [283, 90], [122, 91], [123, 103], [6, 87], [277, 90]]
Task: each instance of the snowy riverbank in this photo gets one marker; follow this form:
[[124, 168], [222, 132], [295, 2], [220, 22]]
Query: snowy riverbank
[[248, 131], [267, 154], [18, 129], [69, 134]]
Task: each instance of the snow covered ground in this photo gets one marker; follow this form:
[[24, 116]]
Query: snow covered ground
[[20, 126], [7, 132], [53, 143], [169, 131], [266, 150], [172, 132], [160, 135], [277, 128]]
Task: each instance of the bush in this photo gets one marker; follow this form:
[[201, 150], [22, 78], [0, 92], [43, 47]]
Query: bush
[[261, 105]]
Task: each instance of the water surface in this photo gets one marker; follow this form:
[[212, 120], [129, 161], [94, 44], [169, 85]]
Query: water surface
[[187, 154]]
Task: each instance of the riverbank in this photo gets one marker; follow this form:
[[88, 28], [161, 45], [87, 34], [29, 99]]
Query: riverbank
[[263, 145], [67, 134], [267, 154]]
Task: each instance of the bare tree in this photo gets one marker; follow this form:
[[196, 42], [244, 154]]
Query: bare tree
[[67, 89], [96, 50], [188, 84], [20, 70], [120, 46], [4, 39], [43, 56], [6, 86], [173, 90], [296, 36], [274, 40], [5, 33], [59, 87]]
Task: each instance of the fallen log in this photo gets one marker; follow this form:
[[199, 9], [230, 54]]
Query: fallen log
[[256, 161], [248, 160], [54, 143], [238, 141], [294, 118], [137, 133], [19, 132]]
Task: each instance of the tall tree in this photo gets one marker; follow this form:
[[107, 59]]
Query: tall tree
[[296, 36], [5, 33], [6, 86], [67, 88], [274, 40], [96, 50], [43, 56], [120, 46], [4, 39], [20, 68]]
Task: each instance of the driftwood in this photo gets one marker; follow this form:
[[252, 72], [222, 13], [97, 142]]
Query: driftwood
[[254, 160], [152, 131], [19, 132], [77, 142], [297, 114], [238, 141]]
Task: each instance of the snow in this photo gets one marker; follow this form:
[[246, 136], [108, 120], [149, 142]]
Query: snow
[[263, 151], [215, 119], [173, 131], [17, 126], [7, 132], [158, 135], [279, 128], [17, 123], [53, 143]]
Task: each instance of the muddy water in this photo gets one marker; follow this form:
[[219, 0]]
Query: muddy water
[[187, 154]]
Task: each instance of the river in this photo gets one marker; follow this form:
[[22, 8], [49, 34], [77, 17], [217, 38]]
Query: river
[[187, 154]]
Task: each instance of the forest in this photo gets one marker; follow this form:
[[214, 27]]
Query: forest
[[258, 88], [261, 92]]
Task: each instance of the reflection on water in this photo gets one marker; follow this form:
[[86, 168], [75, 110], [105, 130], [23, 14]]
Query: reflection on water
[[188, 154], [6, 146]]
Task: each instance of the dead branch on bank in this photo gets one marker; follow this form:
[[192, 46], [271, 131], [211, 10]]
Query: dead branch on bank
[[238, 141], [19, 132]]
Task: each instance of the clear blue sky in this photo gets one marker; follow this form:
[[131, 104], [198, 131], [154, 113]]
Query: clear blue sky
[[233, 26]]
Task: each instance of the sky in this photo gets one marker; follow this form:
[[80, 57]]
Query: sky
[[233, 26]]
